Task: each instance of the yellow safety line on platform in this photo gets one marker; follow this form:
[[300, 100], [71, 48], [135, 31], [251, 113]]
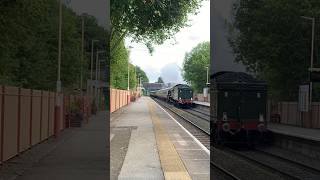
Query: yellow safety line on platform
[[172, 165]]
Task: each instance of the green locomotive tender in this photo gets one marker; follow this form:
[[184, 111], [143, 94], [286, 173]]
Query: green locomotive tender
[[238, 108]]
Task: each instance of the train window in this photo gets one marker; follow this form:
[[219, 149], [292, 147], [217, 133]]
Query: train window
[[225, 94]]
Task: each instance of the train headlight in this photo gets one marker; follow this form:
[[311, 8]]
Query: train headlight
[[226, 127], [224, 116], [261, 119]]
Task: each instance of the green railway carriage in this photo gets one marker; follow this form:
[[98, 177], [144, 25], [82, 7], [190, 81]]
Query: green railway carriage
[[238, 110]]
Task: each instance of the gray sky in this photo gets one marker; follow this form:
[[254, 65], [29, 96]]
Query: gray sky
[[97, 8], [167, 59]]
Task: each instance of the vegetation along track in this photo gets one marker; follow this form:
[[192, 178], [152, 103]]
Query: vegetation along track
[[286, 168], [198, 127]]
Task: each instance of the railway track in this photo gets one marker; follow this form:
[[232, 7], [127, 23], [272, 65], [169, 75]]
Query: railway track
[[197, 126], [198, 113], [202, 123], [286, 168], [228, 174]]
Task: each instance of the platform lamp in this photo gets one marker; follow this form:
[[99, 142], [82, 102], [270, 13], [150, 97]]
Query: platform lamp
[[58, 104], [91, 66], [96, 91], [130, 47], [312, 19]]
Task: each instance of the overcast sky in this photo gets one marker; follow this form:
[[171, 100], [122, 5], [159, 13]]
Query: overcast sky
[[167, 59]]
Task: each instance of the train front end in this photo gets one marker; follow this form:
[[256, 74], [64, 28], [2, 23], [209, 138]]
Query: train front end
[[182, 95], [240, 110]]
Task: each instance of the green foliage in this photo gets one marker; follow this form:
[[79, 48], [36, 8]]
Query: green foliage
[[142, 74], [151, 20], [195, 66], [29, 40], [160, 80], [271, 39], [119, 68]]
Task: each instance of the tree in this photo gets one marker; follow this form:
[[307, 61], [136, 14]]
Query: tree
[[150, 21], [195, 66], [160, 80], [272, 40], [29, 39], [119, 67], [142, 74]]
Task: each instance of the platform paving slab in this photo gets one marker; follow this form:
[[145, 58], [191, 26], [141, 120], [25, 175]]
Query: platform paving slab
[[143, 159], [81, 156], [195, 158], [306, 133]]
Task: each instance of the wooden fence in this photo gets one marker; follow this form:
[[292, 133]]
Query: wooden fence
[[120, 98], [288, 113], [27, 118], [200, 97]]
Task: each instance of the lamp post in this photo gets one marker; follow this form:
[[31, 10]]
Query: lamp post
[[96, 91], [91, 65], [58, 105], [128, 88], [312, 19], [82, 49]]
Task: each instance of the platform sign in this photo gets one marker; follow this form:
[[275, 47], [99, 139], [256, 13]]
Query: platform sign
[[304, 98], [205, 92]]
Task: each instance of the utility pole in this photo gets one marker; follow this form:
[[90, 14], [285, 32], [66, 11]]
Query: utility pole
[[59, 48], [311, 58], [58, 104], [96, 76], [82, 49], [128, 76], [91, 66]]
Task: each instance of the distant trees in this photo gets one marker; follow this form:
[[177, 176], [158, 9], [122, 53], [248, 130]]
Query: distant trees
[[195, 66], [142, 74], [272, 40], [29, 39], [119, 68], [160, 80]]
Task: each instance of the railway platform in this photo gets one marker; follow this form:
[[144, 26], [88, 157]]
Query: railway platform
[[77, 153], [303, 141], [148, 143], [289, 130], [202, 103]]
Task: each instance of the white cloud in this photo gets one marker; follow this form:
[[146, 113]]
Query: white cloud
[[172, 53]]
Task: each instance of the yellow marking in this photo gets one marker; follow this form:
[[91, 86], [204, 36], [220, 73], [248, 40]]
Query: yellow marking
[[171, 163]]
